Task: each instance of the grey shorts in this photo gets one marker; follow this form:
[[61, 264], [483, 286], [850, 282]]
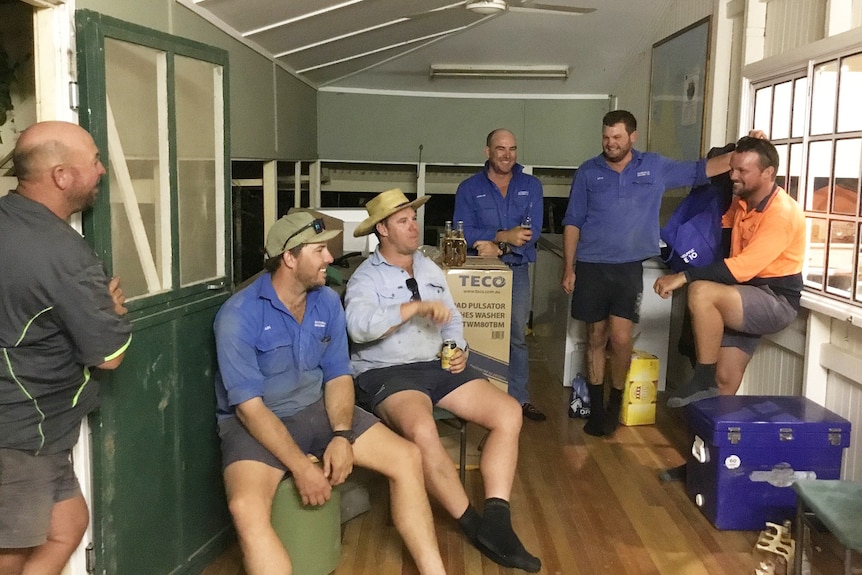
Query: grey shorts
[[309, 428], [375, 385], [763, 312], [30, 485]]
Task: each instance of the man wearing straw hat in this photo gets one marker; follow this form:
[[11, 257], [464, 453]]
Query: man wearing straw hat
[[284, 390], [399, 311]]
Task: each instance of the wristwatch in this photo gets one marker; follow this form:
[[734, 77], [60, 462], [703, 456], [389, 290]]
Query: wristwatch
[[346, 434], [504, 247]]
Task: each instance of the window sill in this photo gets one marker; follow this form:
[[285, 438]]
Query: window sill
[[835, 309]]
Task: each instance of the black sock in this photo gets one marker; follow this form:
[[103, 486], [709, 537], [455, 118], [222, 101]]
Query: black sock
[[469, 523], [612, 417], [496, 533], [596, 423], [704, 375]]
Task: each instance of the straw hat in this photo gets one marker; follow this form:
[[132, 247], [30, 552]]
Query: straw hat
[[384, 205]]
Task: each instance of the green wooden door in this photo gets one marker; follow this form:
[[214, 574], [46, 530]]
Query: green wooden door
[[155, 105]]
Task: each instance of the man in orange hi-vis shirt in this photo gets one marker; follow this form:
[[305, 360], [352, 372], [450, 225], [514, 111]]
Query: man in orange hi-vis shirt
[[755, 291]]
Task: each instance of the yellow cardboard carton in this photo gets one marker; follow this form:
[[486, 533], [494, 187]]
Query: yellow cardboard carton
[[639, 394]]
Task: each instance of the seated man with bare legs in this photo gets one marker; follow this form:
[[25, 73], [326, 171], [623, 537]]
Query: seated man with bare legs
[[285, 390], [399, 312]]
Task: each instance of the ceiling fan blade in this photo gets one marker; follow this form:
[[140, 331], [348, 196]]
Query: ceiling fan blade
[[433, 11], [556, 9]]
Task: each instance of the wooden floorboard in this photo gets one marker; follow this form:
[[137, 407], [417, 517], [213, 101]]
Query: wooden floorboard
[[585, 505]]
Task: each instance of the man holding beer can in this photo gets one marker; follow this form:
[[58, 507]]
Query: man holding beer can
[[399, 312]]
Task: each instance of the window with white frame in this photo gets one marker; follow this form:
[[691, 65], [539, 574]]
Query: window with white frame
[[815, 122]]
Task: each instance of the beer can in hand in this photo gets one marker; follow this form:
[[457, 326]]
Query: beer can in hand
[[449, 347]]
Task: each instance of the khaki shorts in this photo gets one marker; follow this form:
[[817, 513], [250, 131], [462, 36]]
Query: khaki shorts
[[30, 485]]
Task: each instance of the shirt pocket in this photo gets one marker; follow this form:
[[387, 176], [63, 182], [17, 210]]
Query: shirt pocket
[[436, 290], [318, 343], [486, 210], [392, 296], [274, 355]]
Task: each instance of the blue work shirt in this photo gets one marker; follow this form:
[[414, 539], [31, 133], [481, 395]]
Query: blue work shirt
[[484, 210], [264, 352], [373, 301], [618, 213]]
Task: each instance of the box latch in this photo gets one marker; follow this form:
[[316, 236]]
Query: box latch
[[834, 436], [785, 434], [734, 435]]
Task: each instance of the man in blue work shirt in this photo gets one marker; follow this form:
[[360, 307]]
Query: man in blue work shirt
[[611, 227], [502, 210], [285, 389]]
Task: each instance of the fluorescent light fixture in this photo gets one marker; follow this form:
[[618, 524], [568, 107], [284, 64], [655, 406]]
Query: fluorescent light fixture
[[507, 71]]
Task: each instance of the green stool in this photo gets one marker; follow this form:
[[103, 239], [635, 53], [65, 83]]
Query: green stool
[[311, 534]]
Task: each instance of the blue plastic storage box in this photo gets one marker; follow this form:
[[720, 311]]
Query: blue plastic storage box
[[747, 451]]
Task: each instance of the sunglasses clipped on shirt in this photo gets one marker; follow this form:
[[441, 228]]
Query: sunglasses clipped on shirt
[[316, 223], [414, 289]]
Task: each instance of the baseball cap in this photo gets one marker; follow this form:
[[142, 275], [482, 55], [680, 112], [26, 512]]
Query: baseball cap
[[294, 229]]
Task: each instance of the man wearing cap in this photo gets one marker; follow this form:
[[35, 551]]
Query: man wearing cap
[[399, 311], [285, 390], [502, 210]]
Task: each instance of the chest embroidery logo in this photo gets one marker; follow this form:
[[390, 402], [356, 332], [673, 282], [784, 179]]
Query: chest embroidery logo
[[644, 173], [318, 323]]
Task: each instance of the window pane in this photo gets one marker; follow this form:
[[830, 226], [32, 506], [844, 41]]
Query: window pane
[[800, 96], [812, 271], [842, 248], [823, 98], [780, 178], [849, 114], [762, 108], [819, 168], [846, 180], [137, 149], [199, 170], [794, 165], [781, 111]]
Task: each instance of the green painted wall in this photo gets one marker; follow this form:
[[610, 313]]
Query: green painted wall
[[260, 91], [374, 127]]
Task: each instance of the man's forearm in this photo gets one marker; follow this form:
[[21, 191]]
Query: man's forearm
[[268, 429], [338, 396], [571, 235]]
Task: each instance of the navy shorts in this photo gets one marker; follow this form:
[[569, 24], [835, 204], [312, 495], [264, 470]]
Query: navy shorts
[[763, 312], [375, 385], [310, 429], [30, 485], [603, 290]]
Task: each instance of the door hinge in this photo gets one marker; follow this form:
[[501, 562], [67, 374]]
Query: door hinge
[[91, 558], [74, 99]]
